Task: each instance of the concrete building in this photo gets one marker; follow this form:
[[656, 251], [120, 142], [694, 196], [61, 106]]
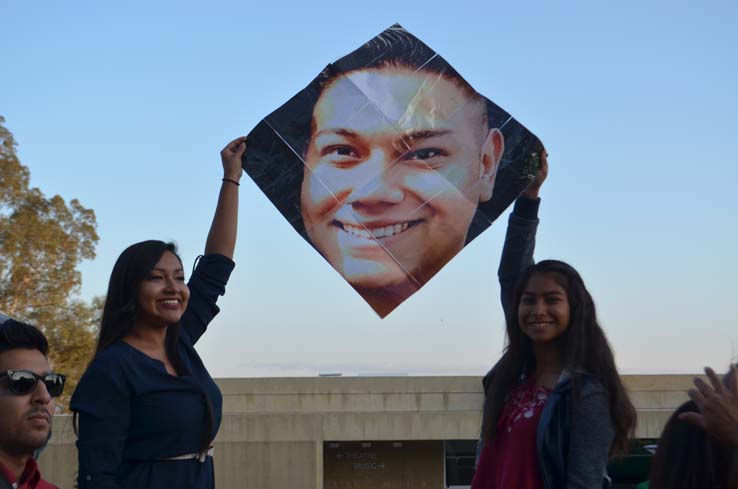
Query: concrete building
[[357, 432]]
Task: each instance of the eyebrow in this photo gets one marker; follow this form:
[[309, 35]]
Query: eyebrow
[[164, 270], [548, 293], [426, 133], [341, 132], [412, 135]]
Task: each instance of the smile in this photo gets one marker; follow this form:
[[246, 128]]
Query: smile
[[540, 324], [169, 302], [369, 231]]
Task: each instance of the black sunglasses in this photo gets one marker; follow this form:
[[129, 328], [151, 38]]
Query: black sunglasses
[[24, 381]]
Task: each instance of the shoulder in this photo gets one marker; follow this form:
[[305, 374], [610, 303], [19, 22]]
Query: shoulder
[[488, 377], [108, 372], [586, 394], [111, 360], [589, 384], [584, 382]]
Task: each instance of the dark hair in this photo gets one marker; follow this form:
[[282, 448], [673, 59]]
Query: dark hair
[[585, 350], [687, 458], [16, 334], [397, 48], [121, 308], [276, 163], [121, 302]]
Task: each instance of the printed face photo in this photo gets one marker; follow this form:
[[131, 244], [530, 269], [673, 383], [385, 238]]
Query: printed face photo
[[389, 196], [385, 166]]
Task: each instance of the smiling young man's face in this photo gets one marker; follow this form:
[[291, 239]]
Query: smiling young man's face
[[397, 162]]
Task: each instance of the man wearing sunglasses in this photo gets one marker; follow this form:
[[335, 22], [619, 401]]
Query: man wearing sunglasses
[[27, 391]]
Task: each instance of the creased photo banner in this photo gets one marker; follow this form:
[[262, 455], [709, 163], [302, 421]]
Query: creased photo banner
[[388, 163]]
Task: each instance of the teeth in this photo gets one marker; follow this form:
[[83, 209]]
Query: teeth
[[381, 232], [356, 231], [170, 301]]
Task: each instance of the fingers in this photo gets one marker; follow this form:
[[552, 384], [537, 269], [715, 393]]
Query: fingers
[[694, 418], [543, 170], [238, 143], [716, 384], [235, 144], [238, 147], [531, 191], [697, 396], [702, 387], [238, 150], [731, 380]]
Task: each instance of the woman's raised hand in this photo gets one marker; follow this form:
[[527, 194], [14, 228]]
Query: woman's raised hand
[[231, 157]]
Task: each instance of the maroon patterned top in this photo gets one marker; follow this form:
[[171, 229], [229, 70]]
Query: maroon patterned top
[[511, 459]]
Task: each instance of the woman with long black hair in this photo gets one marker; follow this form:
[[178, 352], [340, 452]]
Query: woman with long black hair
[[555, 408], [147, 408]]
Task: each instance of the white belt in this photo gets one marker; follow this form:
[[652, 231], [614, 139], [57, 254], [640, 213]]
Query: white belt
[[200, 456]]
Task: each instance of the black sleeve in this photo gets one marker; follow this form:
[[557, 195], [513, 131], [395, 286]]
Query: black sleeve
[[102, 401], [517, 252], [208, 281]]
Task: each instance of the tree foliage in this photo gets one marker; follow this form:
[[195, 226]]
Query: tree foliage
[[42, 241]]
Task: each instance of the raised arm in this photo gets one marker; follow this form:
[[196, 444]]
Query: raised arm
[[222, 235], [718, 406], [520, 239], [520, 242]]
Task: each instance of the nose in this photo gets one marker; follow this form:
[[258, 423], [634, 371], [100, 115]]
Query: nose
[[41, 394], [171, 284], [383, 187], [539, 308]]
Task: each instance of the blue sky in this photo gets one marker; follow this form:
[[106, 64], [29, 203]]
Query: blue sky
[[125, 106]]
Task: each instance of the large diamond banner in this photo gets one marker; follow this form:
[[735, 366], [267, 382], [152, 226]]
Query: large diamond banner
[[388, 163]]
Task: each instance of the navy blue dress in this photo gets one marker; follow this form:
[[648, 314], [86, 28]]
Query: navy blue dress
[[133, 413]]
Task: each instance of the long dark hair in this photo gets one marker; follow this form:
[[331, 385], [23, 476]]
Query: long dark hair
[[121, 309], [121, 302], [687, 458], [584, 349]]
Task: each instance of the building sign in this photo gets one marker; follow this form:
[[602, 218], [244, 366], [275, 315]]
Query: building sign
[[383, 465]]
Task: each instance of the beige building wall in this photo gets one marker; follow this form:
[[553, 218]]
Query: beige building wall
[[273, 430]]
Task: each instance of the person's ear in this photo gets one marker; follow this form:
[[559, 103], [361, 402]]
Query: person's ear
[[492, 149]]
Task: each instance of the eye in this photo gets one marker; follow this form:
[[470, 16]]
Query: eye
[[180, 278], [424, 154], [340, 150], [526, 300], [341, 155], [154, 277], [345, 151]]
